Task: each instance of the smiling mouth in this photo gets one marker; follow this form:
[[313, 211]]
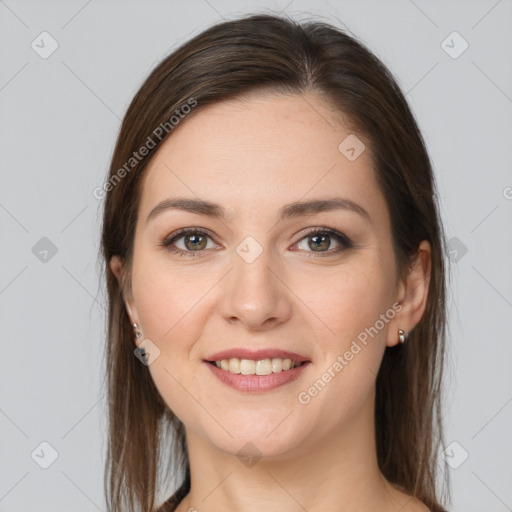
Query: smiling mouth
[[257, 367]]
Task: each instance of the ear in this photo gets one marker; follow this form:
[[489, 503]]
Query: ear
[[117, 267], [412, 293]]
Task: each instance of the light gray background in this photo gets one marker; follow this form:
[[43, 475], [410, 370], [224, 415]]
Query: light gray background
[[59, 119]]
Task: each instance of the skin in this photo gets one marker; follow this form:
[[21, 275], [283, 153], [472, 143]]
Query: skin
[[252, 157]]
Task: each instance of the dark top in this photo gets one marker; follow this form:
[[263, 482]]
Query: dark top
[[172, 503]]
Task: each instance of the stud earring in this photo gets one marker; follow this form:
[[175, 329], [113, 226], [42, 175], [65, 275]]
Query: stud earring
[[138, 334], [401, 336]]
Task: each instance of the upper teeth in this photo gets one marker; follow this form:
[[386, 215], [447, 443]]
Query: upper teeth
[[259, 367]]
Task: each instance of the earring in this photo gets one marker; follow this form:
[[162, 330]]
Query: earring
[[138, 334], [401, 336]]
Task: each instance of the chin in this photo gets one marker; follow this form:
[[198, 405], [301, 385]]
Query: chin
[[255, 436], [257, 447]]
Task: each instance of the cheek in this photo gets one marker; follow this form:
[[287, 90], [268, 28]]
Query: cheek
[[354, 304], [351, 340], [344, 302], [167, 298], [174, 306]]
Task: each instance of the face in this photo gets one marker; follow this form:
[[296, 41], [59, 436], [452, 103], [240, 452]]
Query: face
[[319, 283]]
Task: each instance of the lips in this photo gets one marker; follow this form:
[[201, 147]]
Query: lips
[[257, 383], [256, 355], [273, 368]]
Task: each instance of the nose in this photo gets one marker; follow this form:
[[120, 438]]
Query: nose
[[255, 295]]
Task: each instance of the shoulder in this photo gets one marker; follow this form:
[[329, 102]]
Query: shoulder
[[414, 505], [407, 502], [420, 507]]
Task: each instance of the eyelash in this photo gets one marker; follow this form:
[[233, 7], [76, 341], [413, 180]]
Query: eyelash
[[339, 237]]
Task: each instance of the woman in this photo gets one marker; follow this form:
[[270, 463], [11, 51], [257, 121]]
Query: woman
[[274, 262]]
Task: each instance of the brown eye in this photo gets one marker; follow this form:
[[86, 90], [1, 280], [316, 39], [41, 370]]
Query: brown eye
[[319, 241], [187, 242], [195, 242]]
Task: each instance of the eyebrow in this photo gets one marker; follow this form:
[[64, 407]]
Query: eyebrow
[[288, 211]]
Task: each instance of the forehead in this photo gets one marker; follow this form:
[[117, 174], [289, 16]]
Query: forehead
[[260, 152]]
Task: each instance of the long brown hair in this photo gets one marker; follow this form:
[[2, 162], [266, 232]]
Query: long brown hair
[[266, 52]]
